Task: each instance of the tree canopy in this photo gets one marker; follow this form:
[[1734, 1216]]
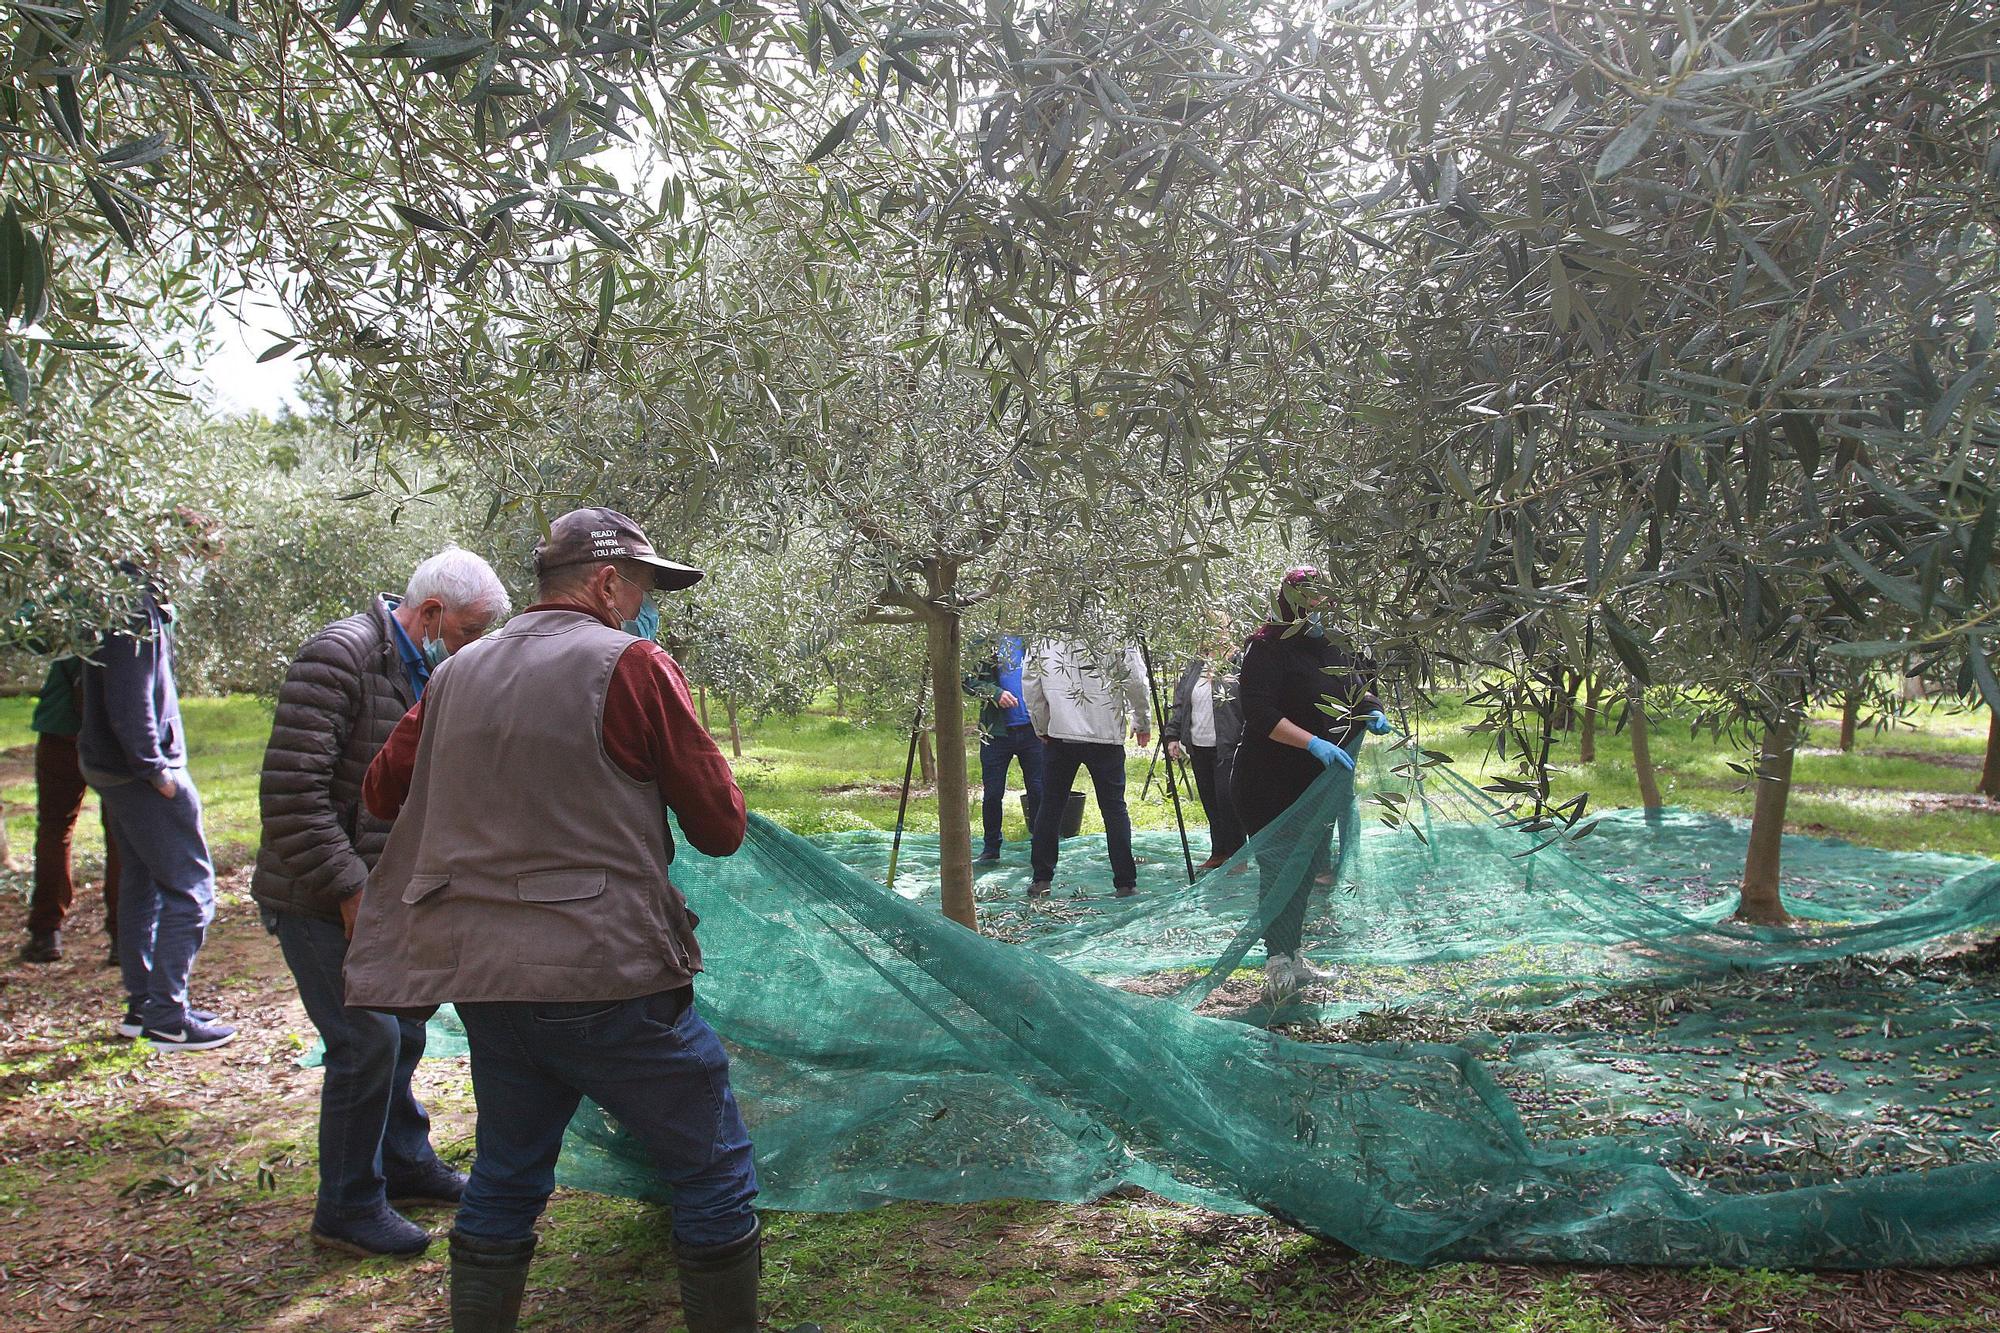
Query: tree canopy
[[1568, 337]]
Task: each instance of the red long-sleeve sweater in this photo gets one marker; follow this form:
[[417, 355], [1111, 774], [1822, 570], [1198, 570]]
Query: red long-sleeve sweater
[[650, 731]]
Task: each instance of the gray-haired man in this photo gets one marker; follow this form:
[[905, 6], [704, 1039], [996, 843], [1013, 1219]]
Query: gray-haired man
[[344, 694]]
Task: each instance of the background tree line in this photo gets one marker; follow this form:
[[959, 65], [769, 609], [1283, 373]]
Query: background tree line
[[1637, 349]]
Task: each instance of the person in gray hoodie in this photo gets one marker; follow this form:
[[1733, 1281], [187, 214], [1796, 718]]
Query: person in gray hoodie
[[1079, 700]]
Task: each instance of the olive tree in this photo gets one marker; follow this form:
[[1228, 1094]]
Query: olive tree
[[1681, 329]]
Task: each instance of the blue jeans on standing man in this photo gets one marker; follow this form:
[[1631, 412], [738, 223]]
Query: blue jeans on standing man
[[996, 752], [372, 1129], [166, 893], [1106, 763], [652, 1062]]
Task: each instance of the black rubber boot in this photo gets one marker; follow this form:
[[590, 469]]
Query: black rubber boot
[[487, 1279], [719, 1283], [43, 946]]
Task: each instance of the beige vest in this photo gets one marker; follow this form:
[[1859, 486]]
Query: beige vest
[[525, 864]]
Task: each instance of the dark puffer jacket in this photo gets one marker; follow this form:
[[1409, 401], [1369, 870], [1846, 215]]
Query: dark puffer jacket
[[344, 694]]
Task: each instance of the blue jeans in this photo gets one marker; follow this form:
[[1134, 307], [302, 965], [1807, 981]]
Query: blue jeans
[[371, 1126], [166, 893], [1106, 764], [995, 754], [651, 1062]]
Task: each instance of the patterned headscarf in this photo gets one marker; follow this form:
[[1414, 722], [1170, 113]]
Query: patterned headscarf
[[1292, 586]]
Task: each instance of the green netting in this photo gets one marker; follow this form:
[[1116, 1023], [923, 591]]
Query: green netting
[[1622, 1076]]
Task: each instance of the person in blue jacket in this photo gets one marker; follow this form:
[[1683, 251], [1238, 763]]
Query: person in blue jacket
[[1006, 735]]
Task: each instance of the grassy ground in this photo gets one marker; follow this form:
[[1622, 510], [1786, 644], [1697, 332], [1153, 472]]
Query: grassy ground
[[143, 1191]]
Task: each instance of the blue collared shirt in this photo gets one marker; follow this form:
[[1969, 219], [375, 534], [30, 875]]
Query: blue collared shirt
[[1011, 653], [413, 658]]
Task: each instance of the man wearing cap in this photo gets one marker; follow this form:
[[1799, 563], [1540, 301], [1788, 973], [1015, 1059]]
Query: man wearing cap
[[525, 881]]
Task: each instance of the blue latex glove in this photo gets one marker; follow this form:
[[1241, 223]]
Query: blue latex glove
[[1324, 750], [1378, 722]]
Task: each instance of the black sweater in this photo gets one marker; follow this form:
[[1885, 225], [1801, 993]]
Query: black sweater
[[1297, 678]]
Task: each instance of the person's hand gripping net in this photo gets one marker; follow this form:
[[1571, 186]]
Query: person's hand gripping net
[[1329, 754]]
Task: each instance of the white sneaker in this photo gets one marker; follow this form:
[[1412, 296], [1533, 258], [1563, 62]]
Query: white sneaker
[[1306, 973], [1280, 981]]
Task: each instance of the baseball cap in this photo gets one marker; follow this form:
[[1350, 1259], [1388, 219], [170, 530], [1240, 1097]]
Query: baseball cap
[[590, 536]]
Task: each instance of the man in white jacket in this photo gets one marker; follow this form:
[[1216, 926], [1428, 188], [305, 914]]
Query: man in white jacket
[[1078, 700]]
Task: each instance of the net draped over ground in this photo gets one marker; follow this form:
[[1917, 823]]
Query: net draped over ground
[[1611, 1091]]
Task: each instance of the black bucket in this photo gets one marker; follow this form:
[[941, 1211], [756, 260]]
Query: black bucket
[[1072, 817]]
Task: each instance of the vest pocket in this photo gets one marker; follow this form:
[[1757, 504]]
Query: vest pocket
[[568, 930], [559, 886], [429, 942], [421, 887]]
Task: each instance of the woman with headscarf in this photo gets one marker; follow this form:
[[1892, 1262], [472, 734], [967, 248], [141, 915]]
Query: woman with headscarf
[[1292, 675]]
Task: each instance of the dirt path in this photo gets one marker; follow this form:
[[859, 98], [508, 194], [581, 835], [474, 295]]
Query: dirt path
[[141, 1190], [147, 1191]]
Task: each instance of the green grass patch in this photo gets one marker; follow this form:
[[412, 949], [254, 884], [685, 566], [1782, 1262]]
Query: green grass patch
[[1862, 796], [226, 739], [817, 773]]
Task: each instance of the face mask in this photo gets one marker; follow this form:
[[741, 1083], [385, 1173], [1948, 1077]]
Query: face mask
[[434, 651], [1315, 624], [645, 625]]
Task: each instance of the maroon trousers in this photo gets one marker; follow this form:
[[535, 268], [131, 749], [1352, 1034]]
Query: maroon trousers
[[59, 792]]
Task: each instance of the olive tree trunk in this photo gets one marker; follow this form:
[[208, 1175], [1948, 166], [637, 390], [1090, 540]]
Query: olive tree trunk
[[938, 610], [1562, 712], [941, 631], [1850, 719], [1989, 779], [926, 758], [1760, 903], [1593, 697], [701, 696], [735, 732], [839, 688], [1642, 749]]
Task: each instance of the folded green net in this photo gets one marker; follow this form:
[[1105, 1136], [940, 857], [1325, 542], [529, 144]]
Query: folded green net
[[1611, 1071]]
